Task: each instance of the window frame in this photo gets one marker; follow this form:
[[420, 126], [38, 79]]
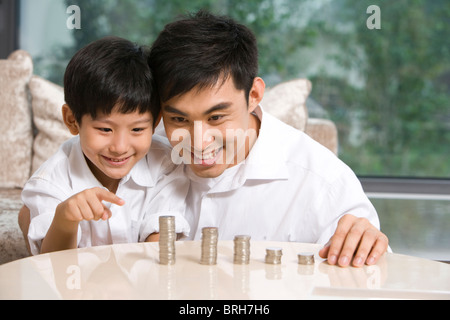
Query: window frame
[[9, 29], [406, 188]]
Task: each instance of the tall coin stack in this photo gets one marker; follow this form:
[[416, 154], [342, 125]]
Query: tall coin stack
[[167, 238], [241, 249], [209, 245], [273, 255]]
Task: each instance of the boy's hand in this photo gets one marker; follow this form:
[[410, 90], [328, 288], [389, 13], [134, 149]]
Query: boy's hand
[[355, 238], [87, 205]]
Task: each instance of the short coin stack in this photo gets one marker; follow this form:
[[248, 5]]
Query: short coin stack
[[306, 258], [167, 238], [273, 255], [209, 245], [241, 249]]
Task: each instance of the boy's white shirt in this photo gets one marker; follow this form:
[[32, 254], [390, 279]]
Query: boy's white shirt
[[290, 188], [154, 187]]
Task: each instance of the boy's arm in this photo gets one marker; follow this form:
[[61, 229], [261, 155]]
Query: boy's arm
[[51, 237], [154, 237], [61, 235], [86, 205], [169, 198]]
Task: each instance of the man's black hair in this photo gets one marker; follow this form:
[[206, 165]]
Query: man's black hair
[[110, 73], [201, 49]]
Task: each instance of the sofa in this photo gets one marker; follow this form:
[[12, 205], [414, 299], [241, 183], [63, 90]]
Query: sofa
[[31, 130]]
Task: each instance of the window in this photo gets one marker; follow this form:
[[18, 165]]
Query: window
[[380, 70], [8, 21]]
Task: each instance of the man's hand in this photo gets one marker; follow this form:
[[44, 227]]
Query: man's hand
[[355, 238]]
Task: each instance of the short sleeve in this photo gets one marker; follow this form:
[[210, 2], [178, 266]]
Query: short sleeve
[[168, 198], [345, 196], [41, 197]]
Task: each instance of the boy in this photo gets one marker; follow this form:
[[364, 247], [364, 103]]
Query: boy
[[272, 182], [104, 185]]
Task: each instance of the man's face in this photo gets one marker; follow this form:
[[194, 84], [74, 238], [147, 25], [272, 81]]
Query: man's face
[[212, 129]]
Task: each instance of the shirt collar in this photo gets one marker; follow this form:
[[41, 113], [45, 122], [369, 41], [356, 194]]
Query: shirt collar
[[267, 158], [265, 161], [82, 177]]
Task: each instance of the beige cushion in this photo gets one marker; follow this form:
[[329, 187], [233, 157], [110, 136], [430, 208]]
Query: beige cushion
[[287, 102], [16, 136], [323, 131], [47, 99]]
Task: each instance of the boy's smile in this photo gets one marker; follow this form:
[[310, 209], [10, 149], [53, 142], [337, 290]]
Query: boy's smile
[[114, 143]]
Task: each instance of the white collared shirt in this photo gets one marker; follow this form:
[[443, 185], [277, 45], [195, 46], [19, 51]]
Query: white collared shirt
[[153, 187], [290, 188]]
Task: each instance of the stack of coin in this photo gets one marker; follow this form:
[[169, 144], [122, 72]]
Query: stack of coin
[[167, 238], [241, 249], [306, 258], [273, 255], [209, 245]]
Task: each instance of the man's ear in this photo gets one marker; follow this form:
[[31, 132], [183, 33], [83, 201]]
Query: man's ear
[[69, 120], [256, 93]]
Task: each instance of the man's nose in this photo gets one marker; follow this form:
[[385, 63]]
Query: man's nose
[[203, 135]]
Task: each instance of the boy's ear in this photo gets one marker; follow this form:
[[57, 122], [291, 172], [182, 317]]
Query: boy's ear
[[256, 93], [69, 120]]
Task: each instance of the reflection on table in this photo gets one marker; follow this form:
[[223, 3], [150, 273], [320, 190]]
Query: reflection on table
[[132, 271]]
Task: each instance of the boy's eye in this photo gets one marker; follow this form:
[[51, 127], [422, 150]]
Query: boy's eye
[[138, 129], [104, 129]]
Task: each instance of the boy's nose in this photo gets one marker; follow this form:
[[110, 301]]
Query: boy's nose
[[119, 145]]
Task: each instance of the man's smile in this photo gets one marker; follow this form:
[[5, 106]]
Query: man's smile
[[207, 158]]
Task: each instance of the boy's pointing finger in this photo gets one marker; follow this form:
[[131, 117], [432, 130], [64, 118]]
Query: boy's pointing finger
[[105, 195]]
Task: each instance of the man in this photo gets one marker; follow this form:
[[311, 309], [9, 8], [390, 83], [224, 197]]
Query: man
[[250, 173]]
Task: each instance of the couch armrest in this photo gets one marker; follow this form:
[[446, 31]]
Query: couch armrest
[[12, 243], [323, 131]]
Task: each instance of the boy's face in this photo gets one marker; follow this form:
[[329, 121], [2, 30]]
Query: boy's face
[[212, 129], [114, 143]]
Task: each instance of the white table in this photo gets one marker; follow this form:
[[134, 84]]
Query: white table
[[133, 271]]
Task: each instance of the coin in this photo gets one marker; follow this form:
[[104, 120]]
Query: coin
[[241, 249], [306, 258], [209, 245], [167, 238], [273, 255]]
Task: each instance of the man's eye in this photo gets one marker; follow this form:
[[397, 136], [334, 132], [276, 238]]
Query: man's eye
[[215, 118], [178, 119]]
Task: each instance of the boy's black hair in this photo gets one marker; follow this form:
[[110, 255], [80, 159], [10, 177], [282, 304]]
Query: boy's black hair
[[108, 73], [198, 50]]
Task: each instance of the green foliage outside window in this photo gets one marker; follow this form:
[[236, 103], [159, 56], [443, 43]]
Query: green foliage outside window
[[386, 89]]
